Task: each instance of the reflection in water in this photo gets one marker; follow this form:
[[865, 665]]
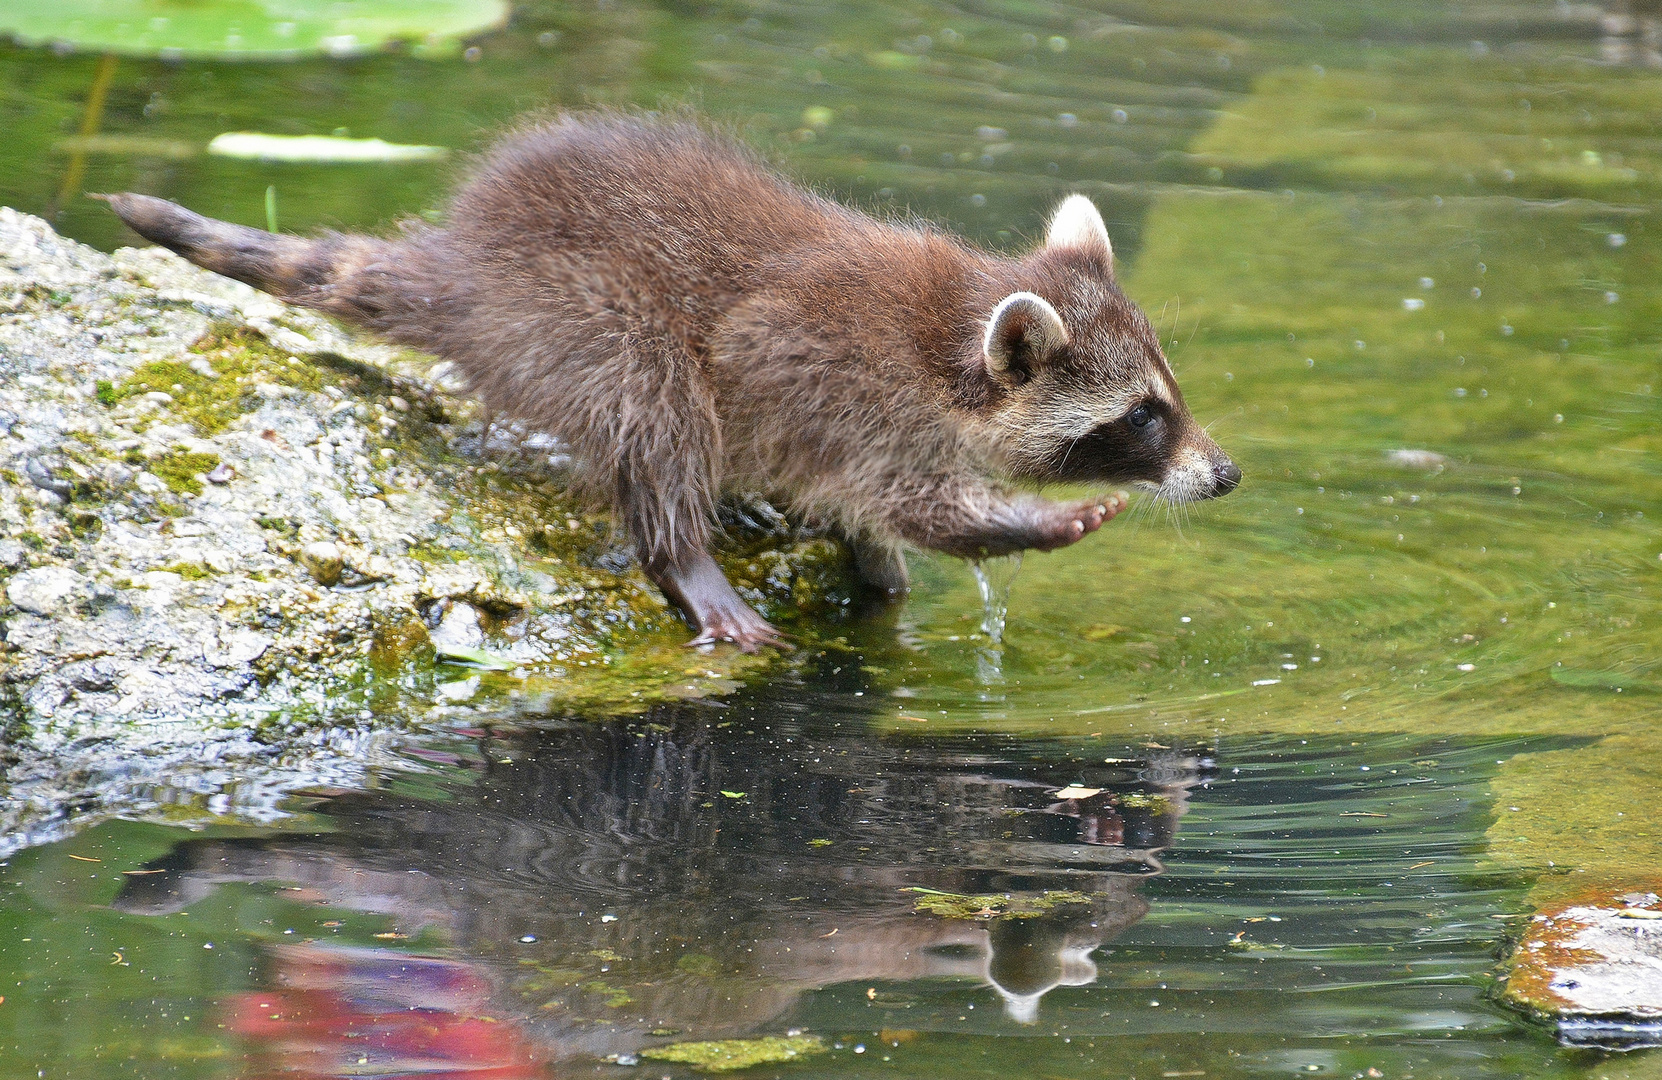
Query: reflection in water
[[1632, 33], [604, 888], [334, 1011]]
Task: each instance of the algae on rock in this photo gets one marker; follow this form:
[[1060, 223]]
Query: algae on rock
[[253, 524]]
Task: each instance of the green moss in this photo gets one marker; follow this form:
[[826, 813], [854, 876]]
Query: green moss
[[616, 997], [1154, 804], [993, 905], [85, 525], [188, 571], [105, 391], [180, 470], [286, 526], [730, 1055], [238, 357], [705, 967]]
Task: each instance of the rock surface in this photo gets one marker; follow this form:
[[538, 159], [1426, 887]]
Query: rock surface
[[227, 530], [1593, 968]]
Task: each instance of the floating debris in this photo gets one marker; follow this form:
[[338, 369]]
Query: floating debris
[[1418, 459], [731, 1055], [258, 146], [993, 905]]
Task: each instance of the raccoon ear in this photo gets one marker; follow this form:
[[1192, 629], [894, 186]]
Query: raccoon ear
[[1022, 332], [1077, 224]]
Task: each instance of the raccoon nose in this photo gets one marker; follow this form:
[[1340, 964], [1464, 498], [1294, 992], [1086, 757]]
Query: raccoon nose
[[1225, 478]]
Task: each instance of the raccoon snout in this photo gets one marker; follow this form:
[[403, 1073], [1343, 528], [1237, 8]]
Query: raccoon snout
[[1225, 478]]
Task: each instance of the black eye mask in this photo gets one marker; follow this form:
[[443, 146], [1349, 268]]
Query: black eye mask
[[1122, 451]]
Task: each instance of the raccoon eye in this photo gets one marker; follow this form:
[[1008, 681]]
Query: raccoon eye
[[1140, 417]]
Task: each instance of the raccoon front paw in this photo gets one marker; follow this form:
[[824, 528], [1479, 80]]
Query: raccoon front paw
[[1070, 522], [739, 624]]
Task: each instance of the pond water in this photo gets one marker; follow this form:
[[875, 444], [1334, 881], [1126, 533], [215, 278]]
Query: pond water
[[1340, 729]]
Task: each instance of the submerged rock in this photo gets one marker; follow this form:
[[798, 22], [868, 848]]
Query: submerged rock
[[227, 530]]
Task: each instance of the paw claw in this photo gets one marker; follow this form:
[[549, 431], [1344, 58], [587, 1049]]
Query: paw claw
[[748, 634]]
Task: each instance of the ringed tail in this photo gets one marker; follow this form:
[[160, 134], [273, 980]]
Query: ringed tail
[[341, 274]]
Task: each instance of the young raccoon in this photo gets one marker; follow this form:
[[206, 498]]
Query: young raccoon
[[689, 321]]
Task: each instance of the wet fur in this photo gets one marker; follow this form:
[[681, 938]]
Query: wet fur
[[690, 321]]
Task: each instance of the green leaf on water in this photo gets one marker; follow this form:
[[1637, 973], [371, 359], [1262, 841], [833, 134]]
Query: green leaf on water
[[476, 657], [735, 794], [250, 29]]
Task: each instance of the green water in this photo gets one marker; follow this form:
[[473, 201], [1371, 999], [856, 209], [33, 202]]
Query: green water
[[1363, 229]]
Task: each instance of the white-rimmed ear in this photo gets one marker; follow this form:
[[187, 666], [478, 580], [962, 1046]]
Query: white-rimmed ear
[[1022, 332], [1077, 224]]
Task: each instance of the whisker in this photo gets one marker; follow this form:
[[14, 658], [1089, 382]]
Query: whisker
[[1071, 445]]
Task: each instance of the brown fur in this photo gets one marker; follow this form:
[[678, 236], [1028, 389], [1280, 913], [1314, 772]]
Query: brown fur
[[690, 321]]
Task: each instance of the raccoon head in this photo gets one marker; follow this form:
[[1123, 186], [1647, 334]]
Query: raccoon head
[[1085, 393]]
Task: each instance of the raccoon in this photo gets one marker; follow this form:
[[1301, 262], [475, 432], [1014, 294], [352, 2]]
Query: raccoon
[[692, 321]]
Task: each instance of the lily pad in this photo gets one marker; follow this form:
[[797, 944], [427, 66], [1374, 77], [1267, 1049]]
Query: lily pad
[[730, 1055], [249, 29]]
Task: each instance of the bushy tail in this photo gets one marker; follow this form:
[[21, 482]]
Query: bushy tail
[[350, 277]]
